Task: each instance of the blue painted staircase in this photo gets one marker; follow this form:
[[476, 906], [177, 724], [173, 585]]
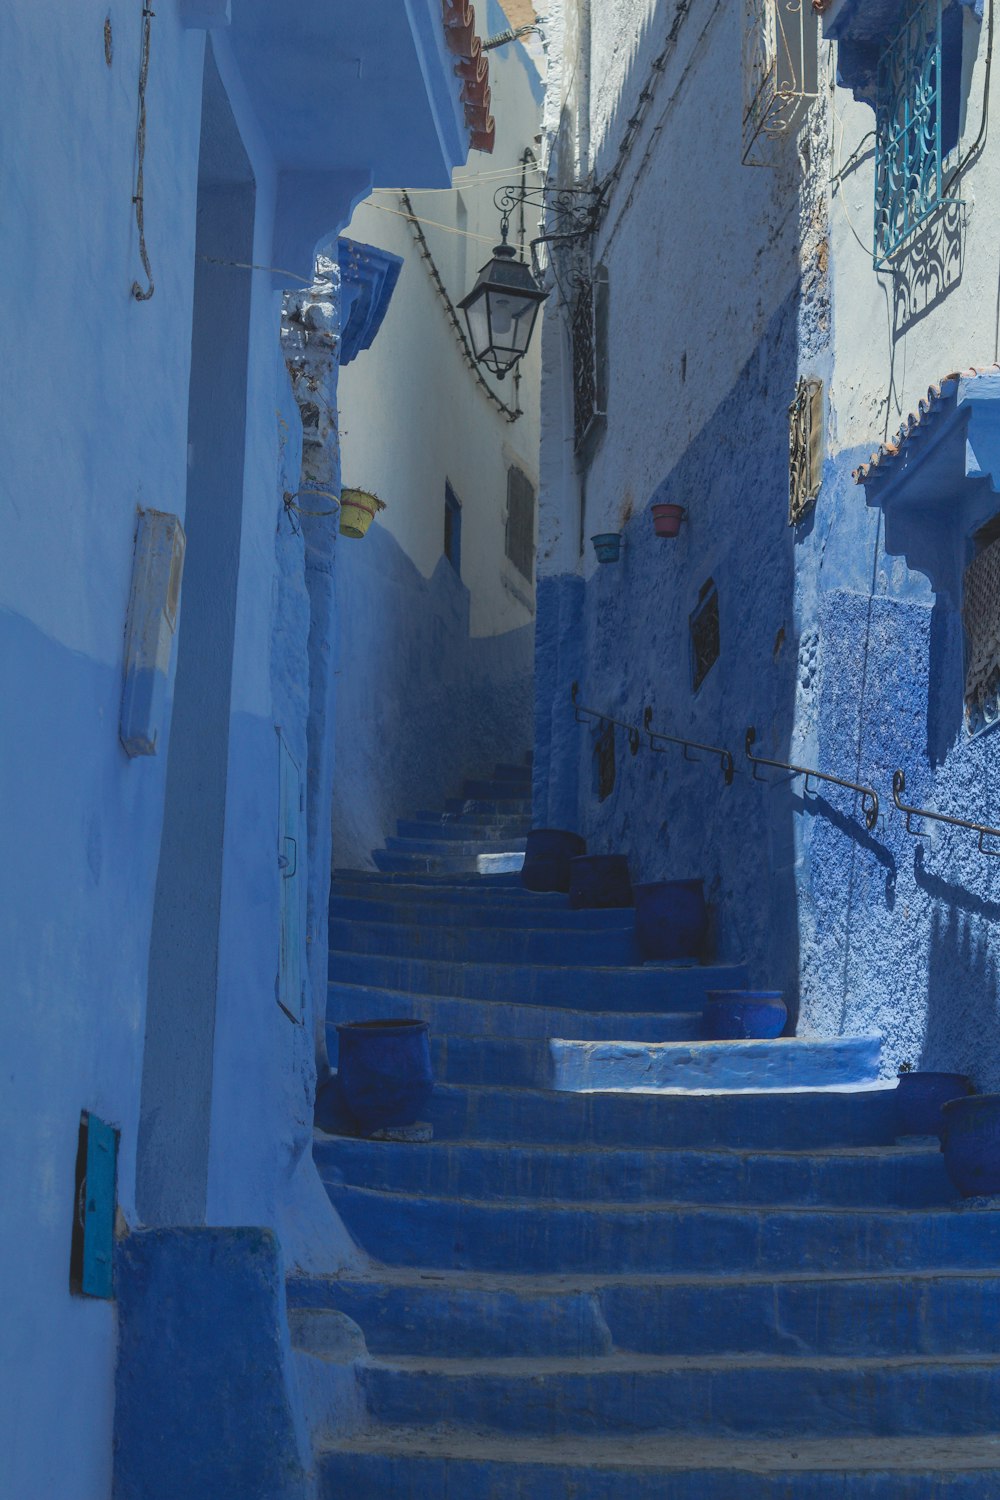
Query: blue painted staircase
[[630, 1265]]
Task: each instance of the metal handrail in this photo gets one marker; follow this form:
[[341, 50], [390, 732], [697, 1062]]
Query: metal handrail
[[634, 737], [869, 796], [726, 762], [983, 829]]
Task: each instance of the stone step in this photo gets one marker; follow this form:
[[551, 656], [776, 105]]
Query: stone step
[[462, 888], [480, 829], [874, 1176], [468, 1316], [505, 772], [708, 1396], [486, 945], [502, 790], [649, 987], [424, 1465], [393, 861], [449, 846], [391, 905], [453, 1233], [489, 806], [453, 1017], [765, 1120], [687, 1063]]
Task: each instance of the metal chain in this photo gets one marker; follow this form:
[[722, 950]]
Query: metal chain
[[140, 157], [510, 412]]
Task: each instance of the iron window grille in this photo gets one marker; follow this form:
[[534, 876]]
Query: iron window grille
[[520, 538], [589, 335], [916, 122], [780, 73], [703, 623], [805, 448]]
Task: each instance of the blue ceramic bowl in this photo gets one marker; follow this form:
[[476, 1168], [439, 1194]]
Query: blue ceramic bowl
[[970, 1140], [919, 1097], [744, 1015], [670, 919], [547, 856], [599, 880], [384, 1071]]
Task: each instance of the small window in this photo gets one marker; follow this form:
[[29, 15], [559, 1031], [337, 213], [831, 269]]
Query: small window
[[520, 543], [453, 528], [703, 623]]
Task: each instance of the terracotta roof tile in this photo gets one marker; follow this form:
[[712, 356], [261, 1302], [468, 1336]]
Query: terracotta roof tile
[[885, 455], [472, 67]]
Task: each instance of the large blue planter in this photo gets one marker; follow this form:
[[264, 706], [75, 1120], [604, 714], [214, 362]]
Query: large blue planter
[[599, 880], [384, 1071], [744, 1015], [970, 1140], [547, 855], [919, 1097], [670, 919]]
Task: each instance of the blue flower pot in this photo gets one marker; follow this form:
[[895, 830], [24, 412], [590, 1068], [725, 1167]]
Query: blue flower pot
[[599, 880], [744, 1015], [670, 919], [547, 856], [919, 1097], [970, 1140], [384, 1072], [607, 545]]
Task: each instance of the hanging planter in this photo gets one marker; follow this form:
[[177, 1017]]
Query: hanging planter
[[667, 519], [358, 509], [608, 546]]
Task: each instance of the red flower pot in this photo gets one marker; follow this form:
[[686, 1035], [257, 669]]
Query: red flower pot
[[667, 519]]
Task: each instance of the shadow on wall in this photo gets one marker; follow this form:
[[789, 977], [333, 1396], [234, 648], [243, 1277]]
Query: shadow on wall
[[420, 703], [962, 1000]]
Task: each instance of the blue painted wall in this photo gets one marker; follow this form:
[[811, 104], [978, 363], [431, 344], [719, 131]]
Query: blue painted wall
[[421, 703]]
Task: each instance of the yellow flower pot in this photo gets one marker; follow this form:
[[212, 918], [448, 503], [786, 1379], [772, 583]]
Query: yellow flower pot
[[358, 509]]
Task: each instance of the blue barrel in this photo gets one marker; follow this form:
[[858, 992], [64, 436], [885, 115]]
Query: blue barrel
[[384, 1071], [547, 854], [598, 880], [671, 919], [744, 1015], [919, 1097], [970, 1140]]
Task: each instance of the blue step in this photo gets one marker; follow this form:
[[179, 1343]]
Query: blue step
[[394, 861], [537, 1316], [479, 887], [471, 893], [583, 988], [505, 772], [750, 1121], [424, 1465], [466, 829], [499, 790], [760, 1397], [382, 907], [488, 806], [449, 846], [451, 1017], [870, 1177], [596, 1237], [470, 944]]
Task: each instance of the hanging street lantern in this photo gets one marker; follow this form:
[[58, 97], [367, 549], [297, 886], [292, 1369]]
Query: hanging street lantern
[[501, 309]]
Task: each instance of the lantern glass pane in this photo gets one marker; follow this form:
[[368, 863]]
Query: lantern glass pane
[[478, 321]]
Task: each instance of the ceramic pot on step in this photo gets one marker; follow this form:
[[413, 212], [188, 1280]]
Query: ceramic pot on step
[[670, 919], [744, 1015], [384, 1071], [599, 880], [547, 856], [970, 1140], [919, 1097]]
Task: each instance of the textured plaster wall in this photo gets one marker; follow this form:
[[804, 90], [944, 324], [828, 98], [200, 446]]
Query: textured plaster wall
[[102, 424], [726, 284], [435, 669]]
